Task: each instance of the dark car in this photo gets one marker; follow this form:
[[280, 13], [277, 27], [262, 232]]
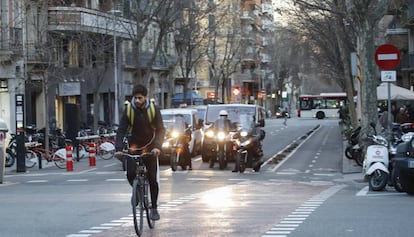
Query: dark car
[[192, 98]]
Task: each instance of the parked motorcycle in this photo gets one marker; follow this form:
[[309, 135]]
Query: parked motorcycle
[[247, 146], [177, 139], [403, 165], [353, 150], [376, 163]]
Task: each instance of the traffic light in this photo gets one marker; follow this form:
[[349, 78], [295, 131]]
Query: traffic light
[[236, 90]]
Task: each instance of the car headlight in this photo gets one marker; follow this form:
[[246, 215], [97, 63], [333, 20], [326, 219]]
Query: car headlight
[[412, 143], [407, 136]]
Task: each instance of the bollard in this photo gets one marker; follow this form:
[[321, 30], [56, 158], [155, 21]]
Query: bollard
[[69, 161], [21, 151], [92, 154]]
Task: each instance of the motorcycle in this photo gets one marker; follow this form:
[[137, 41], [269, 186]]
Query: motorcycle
[[247, 147], [353, 150], [403, 165], [222, 144], [176, 143], [376, 163]]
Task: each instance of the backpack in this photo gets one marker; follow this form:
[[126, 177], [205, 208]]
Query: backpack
[[130, 114]]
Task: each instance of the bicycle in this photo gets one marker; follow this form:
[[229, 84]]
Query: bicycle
[[57, 155], [140, 187]]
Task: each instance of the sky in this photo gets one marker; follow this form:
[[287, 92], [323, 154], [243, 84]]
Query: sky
[[281, 4]]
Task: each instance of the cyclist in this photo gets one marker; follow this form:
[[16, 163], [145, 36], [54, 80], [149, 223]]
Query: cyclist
[[145, 131]]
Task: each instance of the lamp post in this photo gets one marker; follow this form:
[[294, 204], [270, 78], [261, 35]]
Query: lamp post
[[116, 115]]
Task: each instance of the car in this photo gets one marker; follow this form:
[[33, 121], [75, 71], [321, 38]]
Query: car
[[279, 113], [195, 124], [234, 111], [201, 109], [192, 98]]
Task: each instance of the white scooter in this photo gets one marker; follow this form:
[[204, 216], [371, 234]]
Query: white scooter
[[376, 162]]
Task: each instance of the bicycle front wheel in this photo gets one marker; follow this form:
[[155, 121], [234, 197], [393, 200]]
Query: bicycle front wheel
[[151, 222], [30, 159], [137, 207], [60, 162]]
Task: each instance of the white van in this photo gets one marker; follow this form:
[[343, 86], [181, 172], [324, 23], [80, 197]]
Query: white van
[[192, 119]]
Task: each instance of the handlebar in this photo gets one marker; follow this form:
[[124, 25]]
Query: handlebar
[[136, 157]]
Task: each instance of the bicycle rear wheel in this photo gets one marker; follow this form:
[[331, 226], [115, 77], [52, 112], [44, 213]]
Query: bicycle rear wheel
[[137, 207]]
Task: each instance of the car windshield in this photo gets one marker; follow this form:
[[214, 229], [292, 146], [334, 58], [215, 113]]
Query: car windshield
[[235, 112], [245, 122], [173, 120]]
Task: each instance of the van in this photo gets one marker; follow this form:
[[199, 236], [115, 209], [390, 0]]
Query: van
[[234, 111], [192, 119], [192, 98]]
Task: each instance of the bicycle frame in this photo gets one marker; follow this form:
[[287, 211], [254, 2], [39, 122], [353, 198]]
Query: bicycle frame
[[140, 198]]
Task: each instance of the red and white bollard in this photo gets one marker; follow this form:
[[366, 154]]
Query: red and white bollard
[[92, 154], [69, 161]]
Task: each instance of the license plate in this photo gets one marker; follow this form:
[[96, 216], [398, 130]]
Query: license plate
[[411, 164]]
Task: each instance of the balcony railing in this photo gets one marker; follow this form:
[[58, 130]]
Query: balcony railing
[[408, 17], [89, 20]]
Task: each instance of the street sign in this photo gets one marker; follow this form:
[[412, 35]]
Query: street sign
[[387, 56], [388, 76]]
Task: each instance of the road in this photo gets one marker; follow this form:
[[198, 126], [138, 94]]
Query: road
[[303, 192]]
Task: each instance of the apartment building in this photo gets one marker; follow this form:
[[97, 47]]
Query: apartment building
[[240, 33], [81, 53]]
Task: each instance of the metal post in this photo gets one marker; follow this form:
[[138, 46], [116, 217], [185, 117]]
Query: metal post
[[116, 115], [389, 135]]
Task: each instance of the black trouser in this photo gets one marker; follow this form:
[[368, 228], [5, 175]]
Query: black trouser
[[152, 168]]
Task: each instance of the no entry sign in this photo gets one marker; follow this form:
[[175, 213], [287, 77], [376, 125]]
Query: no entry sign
[[387, 56]]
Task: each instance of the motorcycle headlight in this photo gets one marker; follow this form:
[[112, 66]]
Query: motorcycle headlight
[[221, 135], [175, 134], [209, 134], [243, 133], [165, 144], [245, 143]]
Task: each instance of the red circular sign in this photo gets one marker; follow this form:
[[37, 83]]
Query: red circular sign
[[387, 56]]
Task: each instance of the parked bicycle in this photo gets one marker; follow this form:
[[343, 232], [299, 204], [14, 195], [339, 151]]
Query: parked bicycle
[[140, 192], [36, 152]]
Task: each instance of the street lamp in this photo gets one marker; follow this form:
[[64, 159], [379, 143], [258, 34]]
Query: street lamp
[[116, 115]]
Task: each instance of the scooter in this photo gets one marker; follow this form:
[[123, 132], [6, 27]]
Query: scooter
[[376, 162]]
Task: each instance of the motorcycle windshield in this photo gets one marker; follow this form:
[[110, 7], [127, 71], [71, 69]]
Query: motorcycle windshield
[[222, 125]]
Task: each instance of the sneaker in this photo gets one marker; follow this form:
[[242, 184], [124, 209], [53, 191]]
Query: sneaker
[[154, 214]]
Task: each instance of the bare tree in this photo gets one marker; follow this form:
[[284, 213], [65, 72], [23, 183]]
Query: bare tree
[[224, 47]]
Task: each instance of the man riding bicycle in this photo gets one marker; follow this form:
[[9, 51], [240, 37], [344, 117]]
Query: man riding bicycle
[[142, 119]]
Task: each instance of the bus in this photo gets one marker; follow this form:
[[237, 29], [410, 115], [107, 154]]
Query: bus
[[324, 105]]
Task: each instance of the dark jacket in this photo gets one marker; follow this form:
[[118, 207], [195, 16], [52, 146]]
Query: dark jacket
[[142, 131]]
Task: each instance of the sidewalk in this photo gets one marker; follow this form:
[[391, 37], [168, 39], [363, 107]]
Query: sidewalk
[[350, 169]]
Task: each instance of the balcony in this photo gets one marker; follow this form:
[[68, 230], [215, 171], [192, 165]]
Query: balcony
[[410, 58], [408, 18], [89, 20]]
